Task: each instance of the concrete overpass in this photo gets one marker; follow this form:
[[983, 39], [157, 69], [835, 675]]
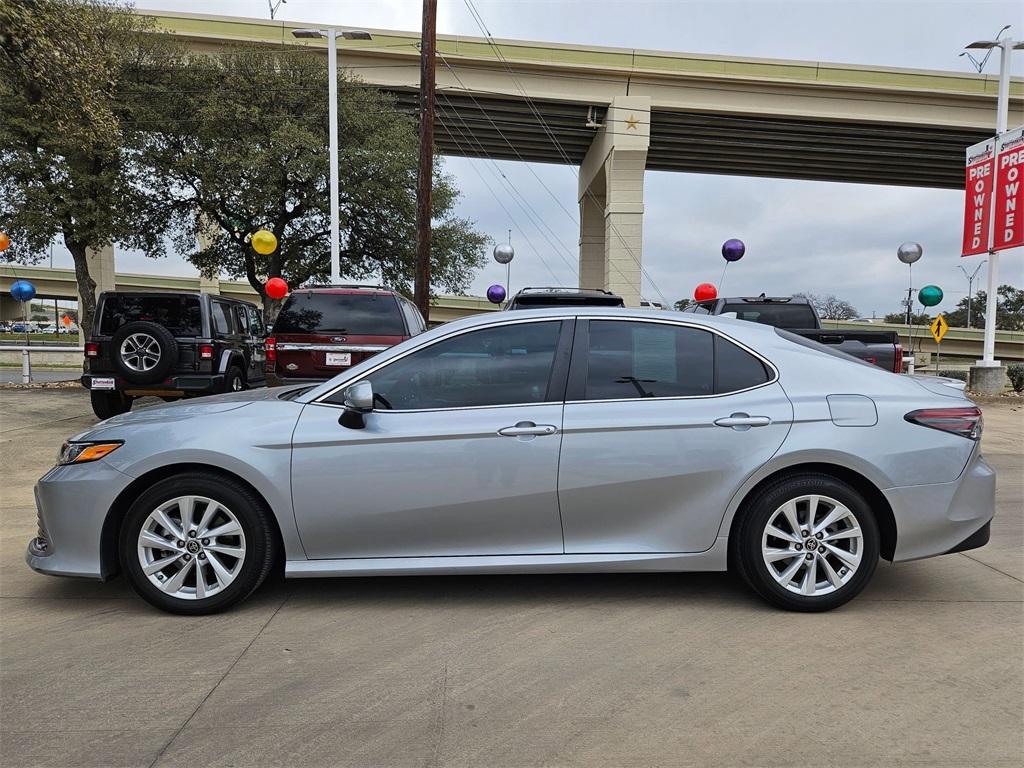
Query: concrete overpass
[[616, 112]]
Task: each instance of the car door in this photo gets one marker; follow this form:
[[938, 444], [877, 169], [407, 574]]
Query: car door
[[460, 456], [663, 422]]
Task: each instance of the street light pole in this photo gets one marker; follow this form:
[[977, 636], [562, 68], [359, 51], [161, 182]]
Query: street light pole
[[970, 287], [331, 34], [1006, 46]]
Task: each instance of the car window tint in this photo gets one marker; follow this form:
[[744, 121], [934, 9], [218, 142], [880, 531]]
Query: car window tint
[[241, 319], [355, 314], [181, 315], [221, 318], [632, 359], [735, 368], [493, 366], [778, 315], [255, 321], [413, 319]]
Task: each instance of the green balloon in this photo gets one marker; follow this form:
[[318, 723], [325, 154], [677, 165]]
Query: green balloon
[[930, 295]]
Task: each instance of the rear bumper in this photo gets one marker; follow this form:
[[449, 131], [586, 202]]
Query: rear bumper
[[944, 517], [197, 383]]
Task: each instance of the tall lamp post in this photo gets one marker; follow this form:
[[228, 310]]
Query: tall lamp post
[[331, 34], [1006, 47], [970, 287]]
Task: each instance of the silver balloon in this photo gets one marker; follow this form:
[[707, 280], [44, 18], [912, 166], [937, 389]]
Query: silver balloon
[[908, 253], [503, 253]]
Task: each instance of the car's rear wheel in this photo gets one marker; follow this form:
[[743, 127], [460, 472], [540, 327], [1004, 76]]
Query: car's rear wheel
[[234, 380], [197, 543], [106, 404], [808, 542]]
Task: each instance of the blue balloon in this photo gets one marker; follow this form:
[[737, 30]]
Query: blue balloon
[[733, 249], [22, 290]]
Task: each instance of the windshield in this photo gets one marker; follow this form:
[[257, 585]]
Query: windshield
[[357, 314], [777, 315], [181, 315]]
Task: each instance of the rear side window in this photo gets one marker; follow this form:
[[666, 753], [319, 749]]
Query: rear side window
[[778, 315], [241, 319], [736, 369], [221, 315], [355, 314], [628, 360], [181, 315]]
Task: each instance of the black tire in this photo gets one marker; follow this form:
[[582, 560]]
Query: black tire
[[745, 545], [106, 404], [234, 380], [252, 515], [166, 346]]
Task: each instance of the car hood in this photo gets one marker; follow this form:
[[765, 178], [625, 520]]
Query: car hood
[[182, 410]]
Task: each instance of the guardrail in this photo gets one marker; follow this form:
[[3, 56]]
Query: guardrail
[[26, 357]]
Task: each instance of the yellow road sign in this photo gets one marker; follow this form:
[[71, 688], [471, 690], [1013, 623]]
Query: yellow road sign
[[939, 327]]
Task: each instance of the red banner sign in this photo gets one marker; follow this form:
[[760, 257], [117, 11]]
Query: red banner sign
[[978, 203], [1009, 198]]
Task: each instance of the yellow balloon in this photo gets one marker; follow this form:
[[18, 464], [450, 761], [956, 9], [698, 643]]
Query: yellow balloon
[[264, 242]]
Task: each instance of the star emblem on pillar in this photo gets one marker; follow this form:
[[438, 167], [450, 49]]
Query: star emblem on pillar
[[632, 123]]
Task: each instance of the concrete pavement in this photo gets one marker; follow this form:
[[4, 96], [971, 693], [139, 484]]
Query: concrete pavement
[[925, 668]]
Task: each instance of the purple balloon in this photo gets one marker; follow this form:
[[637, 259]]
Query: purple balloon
[[496, 294], [733, 249]]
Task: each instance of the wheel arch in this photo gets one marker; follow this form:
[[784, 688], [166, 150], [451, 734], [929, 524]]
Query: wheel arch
[[876, 500], [110, 558]]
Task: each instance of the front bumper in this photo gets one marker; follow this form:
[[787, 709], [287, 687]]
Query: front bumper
[[944, 517], [72, 503]]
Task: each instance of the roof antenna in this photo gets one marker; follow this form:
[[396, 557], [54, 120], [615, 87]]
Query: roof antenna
[[980, 65]]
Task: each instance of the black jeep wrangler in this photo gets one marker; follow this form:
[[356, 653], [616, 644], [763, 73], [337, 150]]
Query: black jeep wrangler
[[170, 345]]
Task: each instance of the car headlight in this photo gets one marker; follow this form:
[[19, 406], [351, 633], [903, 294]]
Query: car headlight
[[80, 453]]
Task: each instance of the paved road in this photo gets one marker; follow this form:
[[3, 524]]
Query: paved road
[[925, 668], [39, 375]]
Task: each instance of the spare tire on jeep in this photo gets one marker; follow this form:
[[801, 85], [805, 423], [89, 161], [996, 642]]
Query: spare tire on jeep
[[143, 352]]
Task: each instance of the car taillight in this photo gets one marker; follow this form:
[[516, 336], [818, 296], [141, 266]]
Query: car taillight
[[92, 349], [270, 345], [206, 351], [965, 422], [897, 366]]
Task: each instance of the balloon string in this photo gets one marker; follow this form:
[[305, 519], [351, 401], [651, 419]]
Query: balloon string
[[722, 281]]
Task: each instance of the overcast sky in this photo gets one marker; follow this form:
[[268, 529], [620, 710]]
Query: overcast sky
[[801, 235]]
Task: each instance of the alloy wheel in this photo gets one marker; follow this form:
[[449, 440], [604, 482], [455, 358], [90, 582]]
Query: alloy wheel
[[812, 545], [140, 352], [191, 547]]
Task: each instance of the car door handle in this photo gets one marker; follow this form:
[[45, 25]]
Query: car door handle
[[743, 420], [525, 428]]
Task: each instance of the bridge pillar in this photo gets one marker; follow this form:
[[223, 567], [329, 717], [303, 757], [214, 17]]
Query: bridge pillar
[[611, 196], [101, 269]]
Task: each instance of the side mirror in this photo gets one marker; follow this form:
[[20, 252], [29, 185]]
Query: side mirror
[[358, 400]]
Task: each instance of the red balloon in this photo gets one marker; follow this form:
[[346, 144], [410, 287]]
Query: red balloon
[[276, 288], [705, 292]]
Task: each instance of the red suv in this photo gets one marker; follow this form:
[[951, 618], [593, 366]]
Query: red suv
[[322, 331]]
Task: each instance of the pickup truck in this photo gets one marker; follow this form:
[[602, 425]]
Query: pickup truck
[[797, 315]]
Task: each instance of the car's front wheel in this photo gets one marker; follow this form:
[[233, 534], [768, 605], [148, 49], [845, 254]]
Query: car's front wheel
[[197, 543], [808, 542]]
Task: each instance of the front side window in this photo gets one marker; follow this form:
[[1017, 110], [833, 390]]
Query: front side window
[[506, 365], [242, 319], [631, 359]]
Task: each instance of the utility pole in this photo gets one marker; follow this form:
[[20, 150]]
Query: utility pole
[[424, 184]]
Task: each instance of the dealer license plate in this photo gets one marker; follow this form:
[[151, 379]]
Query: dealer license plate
[[98, 383], [339, 358]]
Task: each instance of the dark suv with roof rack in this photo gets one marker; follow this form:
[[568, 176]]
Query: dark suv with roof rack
[[321, 331], [170, 345], [538, 298]]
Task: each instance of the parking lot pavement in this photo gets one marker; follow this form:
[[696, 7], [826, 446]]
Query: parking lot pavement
[[925, 668], [11, 375]]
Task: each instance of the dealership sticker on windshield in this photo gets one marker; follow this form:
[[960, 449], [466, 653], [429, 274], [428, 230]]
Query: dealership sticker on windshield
[[339, 358], [102, 383]]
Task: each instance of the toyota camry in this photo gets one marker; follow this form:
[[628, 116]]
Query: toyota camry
[[551, 440]]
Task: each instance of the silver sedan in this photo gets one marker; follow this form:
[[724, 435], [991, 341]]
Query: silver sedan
[[537, 441]]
